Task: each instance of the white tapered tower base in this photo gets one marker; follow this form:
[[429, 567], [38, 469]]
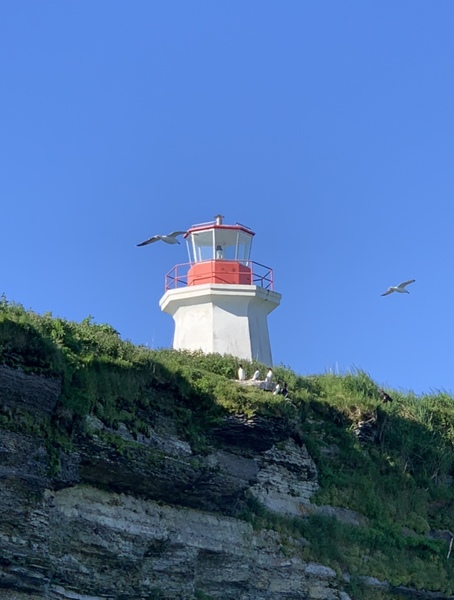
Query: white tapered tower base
[[222, 318]]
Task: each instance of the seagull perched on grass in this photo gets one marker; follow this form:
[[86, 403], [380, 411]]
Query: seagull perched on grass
[[170, 238], [399, 288]]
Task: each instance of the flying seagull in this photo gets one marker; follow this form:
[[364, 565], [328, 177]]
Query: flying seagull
[[399, 288], [170, 238]]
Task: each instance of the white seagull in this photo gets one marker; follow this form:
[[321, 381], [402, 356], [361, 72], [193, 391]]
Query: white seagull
[[170, 238], [399, 288]]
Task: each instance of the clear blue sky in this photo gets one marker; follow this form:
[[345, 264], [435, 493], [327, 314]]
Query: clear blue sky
[[327, 127]]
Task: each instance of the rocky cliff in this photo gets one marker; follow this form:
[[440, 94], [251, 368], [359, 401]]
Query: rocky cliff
[[121, 515]]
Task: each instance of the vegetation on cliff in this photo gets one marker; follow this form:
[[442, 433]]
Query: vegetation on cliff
[[389, 457]]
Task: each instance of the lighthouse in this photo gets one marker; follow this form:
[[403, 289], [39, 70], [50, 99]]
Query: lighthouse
[[220, 300]]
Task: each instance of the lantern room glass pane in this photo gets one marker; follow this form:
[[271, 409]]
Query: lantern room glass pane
[[201, 246], [232, 244], [244, 246]]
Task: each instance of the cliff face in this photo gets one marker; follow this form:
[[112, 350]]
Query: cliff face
[[129, 517]]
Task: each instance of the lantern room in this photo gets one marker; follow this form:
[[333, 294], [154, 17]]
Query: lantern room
[[219, 253]]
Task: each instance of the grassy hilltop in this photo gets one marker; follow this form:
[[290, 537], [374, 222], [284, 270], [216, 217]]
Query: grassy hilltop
[[391, 461]]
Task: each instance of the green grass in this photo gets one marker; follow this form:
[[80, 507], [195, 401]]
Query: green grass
[[400, 480]]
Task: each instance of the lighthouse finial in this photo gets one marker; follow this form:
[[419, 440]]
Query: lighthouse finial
[[219, 219]]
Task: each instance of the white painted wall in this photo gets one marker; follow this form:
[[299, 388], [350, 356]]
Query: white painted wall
[[226, 319]]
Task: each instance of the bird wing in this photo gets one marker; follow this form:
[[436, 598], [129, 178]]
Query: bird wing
[[175, 233], [389, 291], [153, 239], [403, 284]]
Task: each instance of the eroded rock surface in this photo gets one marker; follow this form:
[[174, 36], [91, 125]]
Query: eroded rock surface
[[33, 392], [146, 518]]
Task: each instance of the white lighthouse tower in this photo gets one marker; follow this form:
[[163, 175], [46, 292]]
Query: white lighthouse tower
[[221, 299]]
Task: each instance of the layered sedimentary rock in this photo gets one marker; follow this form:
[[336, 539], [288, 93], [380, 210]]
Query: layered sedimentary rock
[[151, 520]]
